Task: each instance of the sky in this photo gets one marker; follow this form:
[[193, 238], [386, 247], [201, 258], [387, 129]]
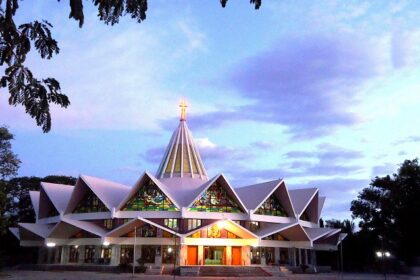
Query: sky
[[321, 93]]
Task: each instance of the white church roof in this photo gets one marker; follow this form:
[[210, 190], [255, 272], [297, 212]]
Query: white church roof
[[59, 194], [301, 198]]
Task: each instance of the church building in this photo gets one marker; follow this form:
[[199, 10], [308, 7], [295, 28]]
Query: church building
[[177, 214]]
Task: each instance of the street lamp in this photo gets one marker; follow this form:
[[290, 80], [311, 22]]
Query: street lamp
[[382, 256]]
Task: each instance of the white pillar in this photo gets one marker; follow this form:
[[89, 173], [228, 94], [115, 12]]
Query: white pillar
[[81, 250], [64, 254], [276, 255], [115, 255]]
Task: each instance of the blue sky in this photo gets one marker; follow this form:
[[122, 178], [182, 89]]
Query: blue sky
[[324, 94]]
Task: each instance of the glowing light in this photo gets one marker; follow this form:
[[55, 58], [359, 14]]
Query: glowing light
[[106, 243], [170, 250], [221, 224], [76, 246], [183, 106], [387, 254], [379, 254], [50, 244]]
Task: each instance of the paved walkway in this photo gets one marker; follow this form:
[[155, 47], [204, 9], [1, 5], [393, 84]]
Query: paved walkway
[[80, 275]]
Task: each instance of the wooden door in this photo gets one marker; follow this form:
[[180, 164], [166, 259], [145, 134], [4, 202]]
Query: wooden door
[[192, 254], [236, 255]]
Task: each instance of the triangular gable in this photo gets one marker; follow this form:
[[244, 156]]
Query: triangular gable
[[267, 229], [276, 203], [59, 194], [34, 195], [137, 222], [80, 191], [301, 198], [310, 213], [321, 201], [317, 233], [68, 228], [15, 232], [41, 230], [230, 226], [110, 193], [217, 195], [294, 232], [46, 207], [253, 195], [332, 238], [148, 194], [90, 203]]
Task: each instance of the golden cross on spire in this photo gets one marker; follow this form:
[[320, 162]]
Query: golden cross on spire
[[183, 106]]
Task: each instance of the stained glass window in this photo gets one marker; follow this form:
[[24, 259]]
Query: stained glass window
[[145, 230], [215, 199], [254, 226], [217, 232], [150, 198], [171, 223], [193, 224], [90, 203], [271, 207], [276, 236]]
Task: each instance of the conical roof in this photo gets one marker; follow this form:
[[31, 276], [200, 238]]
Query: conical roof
[[181, 158]]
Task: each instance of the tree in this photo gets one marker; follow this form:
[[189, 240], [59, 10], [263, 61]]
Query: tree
[[389, 208], [9, 162], [9, 165], [16, 41], [19, 207]]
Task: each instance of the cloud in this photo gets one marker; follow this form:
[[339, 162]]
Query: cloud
[[383, 170], [409, 139], [307, 83]]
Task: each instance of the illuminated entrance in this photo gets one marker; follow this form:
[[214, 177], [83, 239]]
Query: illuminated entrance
[[214, 255]]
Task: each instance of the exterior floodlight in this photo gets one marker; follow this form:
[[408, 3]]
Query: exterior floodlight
[[50, 244], [379, 254], [170, 250], [387, 254], [106, 243], [76, 246]]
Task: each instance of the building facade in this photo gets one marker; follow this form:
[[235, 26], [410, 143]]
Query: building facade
[[179, 214]]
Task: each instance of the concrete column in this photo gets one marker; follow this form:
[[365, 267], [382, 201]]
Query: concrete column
[[293, 256], [50, 255], [64, 255], [115, 255], [246, 255], [158, 258], [300, 256], [137, 255], [228, 255], [314, 257], [200, 255], [276, 255], [41, 254], [81, 251], [306, 255], [98, 251], [183, 255]]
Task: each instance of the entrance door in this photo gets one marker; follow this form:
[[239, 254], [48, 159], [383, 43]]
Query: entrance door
[[192, 254], [236, 255]]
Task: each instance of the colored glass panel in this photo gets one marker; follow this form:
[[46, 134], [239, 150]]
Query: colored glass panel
[[271, 207], [90, 203], [150, 198], [276, 236], [215, 199]]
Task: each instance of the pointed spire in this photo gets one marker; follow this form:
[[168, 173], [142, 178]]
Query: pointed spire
[[181, 158]]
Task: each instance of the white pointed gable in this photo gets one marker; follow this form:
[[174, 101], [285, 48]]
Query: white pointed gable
[[68, 227], [321, 203], [301, 198], [59, 194], [225, 185], [137, 222], [254, 195], [42, 230], [34, 195], [140, 182], [229, 225], [317, 233], [110, 193]]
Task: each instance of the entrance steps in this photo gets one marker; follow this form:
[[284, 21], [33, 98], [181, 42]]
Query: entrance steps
[[232, 271], [154, 270], [277, 271]]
